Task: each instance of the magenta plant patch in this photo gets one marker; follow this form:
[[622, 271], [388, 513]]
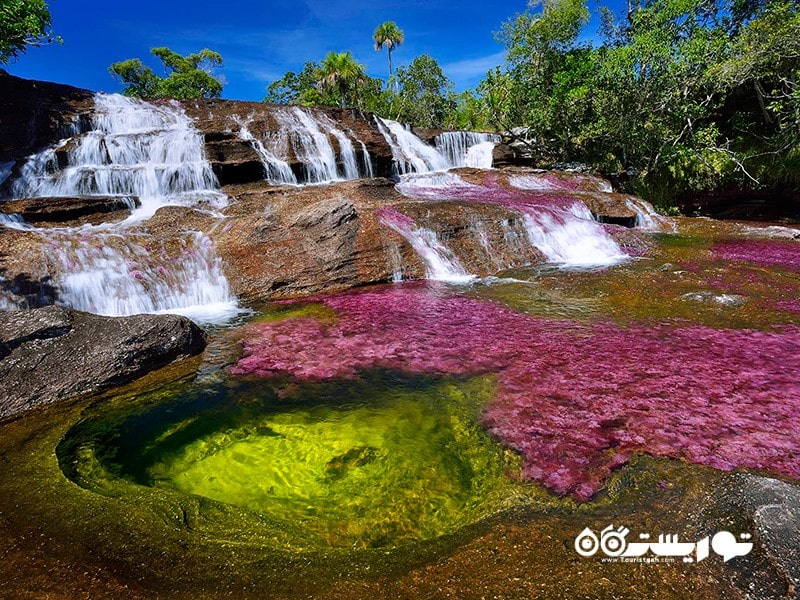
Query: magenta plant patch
[[575, 401], [760, 252]]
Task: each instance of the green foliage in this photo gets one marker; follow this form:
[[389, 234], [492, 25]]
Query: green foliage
[[341, 73], [23, 23], [467, 112], [297, 88], [419, 94], [690, 95], [189, 76], [424, 95]]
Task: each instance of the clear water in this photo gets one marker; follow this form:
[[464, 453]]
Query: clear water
[[383, 460]]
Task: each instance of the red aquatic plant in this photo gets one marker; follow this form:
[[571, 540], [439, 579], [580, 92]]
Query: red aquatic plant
[[574, 400], [761, 252]]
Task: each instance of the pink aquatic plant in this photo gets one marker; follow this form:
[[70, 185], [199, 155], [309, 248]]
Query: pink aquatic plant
[[575, 401], [761, 252]]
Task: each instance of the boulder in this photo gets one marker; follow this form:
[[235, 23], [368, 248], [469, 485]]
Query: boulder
[[282, 242], [54, 353], [610, 208], [773, 507], [503, 155], [67, 210]]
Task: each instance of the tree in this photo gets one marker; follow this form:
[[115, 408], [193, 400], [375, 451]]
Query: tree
[[762, 71], [23, 23], [425, 95], [545, 87], [390, 35], [297, 88], [189, 76], [340, 71]]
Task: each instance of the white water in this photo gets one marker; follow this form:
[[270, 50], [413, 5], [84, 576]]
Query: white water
[[5, 171], [151, 152], [571, 238], [467, 148], [433, 186], [410, 154], [647, 218], [134, 149], [277, 171], [368, 172], [533, 182], [310, 139], [440, 262], [113, 274]]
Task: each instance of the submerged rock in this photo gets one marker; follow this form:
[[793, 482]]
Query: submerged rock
[[53, 353]]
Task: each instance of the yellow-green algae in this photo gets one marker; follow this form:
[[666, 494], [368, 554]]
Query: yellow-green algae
[[379, 461]]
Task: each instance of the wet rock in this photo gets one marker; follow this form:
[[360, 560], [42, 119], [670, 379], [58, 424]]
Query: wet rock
[[774, 507], [220, 121], [25, 277], [427, 135], [71, 210], [54, 353], [291, 242], [234, 160], [611, 208], [730, 300], [33, 114], [503, 155]]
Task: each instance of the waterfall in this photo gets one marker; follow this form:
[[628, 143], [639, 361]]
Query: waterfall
[[310, 138], [560, 227], [134, 149], [368, 172], [648, 218], [5, 171], [467, 148], [571, 237], [410, 154], [277, 171], [116, 273], [440, 262]]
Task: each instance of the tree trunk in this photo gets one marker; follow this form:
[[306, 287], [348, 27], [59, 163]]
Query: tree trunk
[[391, 83]]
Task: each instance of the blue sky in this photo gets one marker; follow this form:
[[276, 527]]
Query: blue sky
[[261, 40]]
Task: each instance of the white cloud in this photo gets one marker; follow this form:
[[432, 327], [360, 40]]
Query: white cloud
[[472, 68]]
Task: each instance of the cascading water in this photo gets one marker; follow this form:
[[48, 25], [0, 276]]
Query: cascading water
[[277, 171], [5, 171], [153, 153], [557, 225], [571, 237], [440, 262], [467, 148], [115, 274], [410, 154], [134, 149], [310, 139], [648, 218]]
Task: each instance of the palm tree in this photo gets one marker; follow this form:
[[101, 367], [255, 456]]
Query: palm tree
[[341, 72], [390, 35]]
